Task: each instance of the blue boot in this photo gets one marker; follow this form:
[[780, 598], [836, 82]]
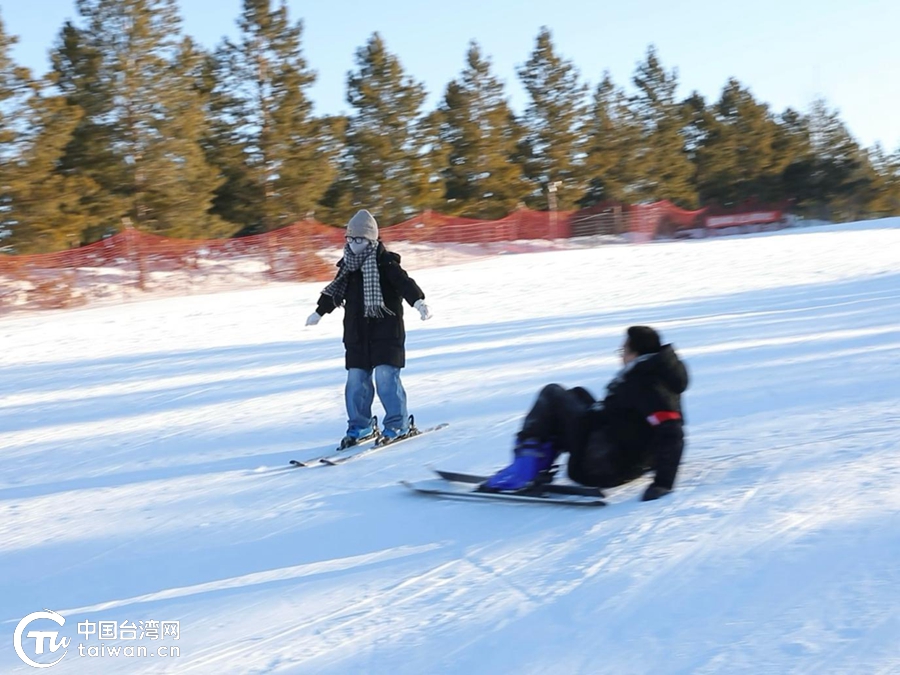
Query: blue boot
[[356, 435], [531, 457], [395, 434]]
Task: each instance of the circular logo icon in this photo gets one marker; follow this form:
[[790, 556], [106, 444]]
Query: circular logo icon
[[41, 637]]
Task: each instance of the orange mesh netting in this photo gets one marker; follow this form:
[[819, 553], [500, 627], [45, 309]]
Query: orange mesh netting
[[132, 261]]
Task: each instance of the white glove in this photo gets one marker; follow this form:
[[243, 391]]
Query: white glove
[[313, 319], [424, 312]]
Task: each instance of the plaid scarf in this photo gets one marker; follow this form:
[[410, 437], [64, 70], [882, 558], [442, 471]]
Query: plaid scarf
[[368, 263]]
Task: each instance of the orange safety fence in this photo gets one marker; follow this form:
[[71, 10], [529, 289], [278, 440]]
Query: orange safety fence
[[132, 263]]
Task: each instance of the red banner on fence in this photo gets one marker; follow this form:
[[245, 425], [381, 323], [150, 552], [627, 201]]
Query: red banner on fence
[[737, 219]]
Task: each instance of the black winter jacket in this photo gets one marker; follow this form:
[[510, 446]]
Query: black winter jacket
[[642, 419], [370, 342]]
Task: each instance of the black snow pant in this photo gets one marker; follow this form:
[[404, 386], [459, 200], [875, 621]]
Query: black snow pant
[[561, 416]]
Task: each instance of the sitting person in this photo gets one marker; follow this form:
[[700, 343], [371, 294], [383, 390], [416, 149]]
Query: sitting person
[[637, 427]]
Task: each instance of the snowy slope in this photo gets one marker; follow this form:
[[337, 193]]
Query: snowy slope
[[136, 441]]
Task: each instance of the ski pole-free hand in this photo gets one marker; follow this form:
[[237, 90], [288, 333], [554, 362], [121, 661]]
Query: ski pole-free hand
[[313, 319], [424, 312]]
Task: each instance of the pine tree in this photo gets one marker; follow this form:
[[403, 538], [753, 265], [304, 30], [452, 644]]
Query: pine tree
[[38, 208], [426, 182], [385, 159], [122, 69], [478, 130], [88, 154], [554, 121], [795, 144], [46, 206], [181, 194], [612, 137], [838, 164], [14, 86], [661, 161], [829, 175], [278, 159], [891, 170], [740, 158], [879, 193], [888, 167]]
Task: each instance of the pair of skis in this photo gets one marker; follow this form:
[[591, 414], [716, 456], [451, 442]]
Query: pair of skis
[[364, 448], [454, 485]]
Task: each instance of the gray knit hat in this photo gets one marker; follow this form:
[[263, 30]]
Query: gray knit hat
[[363, 225]]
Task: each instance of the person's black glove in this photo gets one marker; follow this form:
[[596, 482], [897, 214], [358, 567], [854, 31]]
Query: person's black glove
[[654, 491]]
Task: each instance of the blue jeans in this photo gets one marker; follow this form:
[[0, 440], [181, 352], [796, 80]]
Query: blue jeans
[[360, 393]]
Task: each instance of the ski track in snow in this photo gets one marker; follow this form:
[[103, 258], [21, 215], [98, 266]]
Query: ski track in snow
[[142, 448]]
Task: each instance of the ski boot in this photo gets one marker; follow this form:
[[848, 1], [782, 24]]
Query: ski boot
[[394, 435], [357, 436], [531, 467]]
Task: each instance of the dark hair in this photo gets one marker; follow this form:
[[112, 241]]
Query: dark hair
[[643, 340]]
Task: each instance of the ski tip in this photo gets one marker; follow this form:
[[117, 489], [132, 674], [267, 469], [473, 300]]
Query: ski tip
[[409, 485]]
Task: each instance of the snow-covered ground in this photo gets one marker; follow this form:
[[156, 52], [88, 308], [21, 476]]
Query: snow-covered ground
[[135, 440]]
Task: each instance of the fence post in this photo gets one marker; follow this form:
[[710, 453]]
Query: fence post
[[551, 197], [133, 244], [270, 254], [517, 231]]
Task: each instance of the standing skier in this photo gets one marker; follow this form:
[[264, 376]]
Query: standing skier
[[638, 426], [371, 285]]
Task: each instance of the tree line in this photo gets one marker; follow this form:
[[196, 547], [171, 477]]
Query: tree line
[[137, 126]]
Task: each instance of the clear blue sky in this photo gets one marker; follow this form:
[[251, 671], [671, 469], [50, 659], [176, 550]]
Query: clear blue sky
[[786, 51]]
